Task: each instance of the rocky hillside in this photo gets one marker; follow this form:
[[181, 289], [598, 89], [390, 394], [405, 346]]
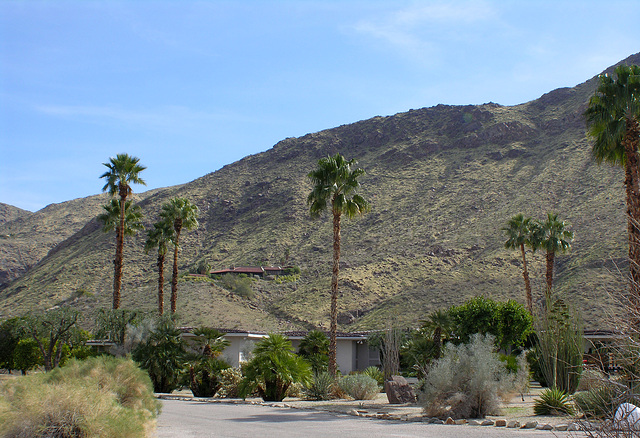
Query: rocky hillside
[[442, 182]]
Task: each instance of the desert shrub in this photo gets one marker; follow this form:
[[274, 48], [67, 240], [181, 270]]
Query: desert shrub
[[321, 387], [375, 373], [229, 380], [553, 401], [296, 389], [359, 386], [99, 397], [603, 400], [591, 378], [468, 381]]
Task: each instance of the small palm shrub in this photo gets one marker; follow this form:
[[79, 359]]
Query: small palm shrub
[[321, 387], [98, 397], [162, 355], [553, 401], [273, 368], [359, 386], [204, 376], [314, 348], [468, 381], [230, 378], [375, 373]]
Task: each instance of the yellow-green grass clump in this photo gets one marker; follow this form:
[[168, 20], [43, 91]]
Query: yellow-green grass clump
[[98, 397]]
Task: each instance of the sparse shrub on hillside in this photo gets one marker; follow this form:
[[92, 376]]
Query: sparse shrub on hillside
[[99, 397], [468, 381], [238, 284], [359, 386]]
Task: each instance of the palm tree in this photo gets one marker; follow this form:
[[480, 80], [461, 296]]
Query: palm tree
[[314, 347], [182, 214], [438, 324], [124, 170], [554, 237], [159, 237], [519, 232], [335, 182], [126, 222], [613, 118]]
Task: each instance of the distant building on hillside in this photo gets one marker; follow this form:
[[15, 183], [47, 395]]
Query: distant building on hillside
[[259, 271]]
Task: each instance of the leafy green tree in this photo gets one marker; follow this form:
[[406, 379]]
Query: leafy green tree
[[52, 331], [273, 368], [439, 324], [9, 338], [163, 355], [613, 118], [314, 347], [335, 186], [27, 355], [519, 234], [159, 237], [515, 324], [124, 170], [182, 214], [554, 238]]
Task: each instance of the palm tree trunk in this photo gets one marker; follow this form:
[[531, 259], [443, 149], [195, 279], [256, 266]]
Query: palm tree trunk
[[160, 283], [334, 295], [117, 262], [174, 277], [550, 260], [527, 283], [633, 210]]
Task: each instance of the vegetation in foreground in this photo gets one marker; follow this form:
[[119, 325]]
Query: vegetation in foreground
[[98, 397]]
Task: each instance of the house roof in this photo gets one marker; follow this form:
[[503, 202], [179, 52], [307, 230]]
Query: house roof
[[250, 270], [295, 334]]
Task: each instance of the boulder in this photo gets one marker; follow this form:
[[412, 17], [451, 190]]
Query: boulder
[[399, 391]]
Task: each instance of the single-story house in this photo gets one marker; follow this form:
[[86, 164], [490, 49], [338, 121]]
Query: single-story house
[[353, 351]]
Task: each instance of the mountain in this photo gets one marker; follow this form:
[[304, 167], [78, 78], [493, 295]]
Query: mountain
[[442, 182]]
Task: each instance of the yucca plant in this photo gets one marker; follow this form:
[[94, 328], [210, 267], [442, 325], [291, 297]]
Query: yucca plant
[[321, 386], [553, 401]]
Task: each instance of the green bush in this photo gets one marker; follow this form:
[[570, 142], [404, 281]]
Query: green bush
[[99, 397], [238, 284], [553, 401], [359, 386], [321, 387]]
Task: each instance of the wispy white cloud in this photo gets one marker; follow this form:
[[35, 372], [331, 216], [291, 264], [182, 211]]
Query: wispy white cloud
[[417, 31]]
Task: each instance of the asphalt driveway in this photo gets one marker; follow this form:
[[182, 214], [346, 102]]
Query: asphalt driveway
[[186, 419]]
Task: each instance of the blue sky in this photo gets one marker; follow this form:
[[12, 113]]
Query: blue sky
[[191, 86]]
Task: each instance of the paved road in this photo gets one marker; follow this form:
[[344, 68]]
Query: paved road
[[187, 419]]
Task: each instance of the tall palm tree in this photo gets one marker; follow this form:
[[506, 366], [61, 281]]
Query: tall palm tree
[[335, 183], [554, 237], [159, 237], [182, 214], [126, 222], [519, 232], [613, 118], [124, 170]]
